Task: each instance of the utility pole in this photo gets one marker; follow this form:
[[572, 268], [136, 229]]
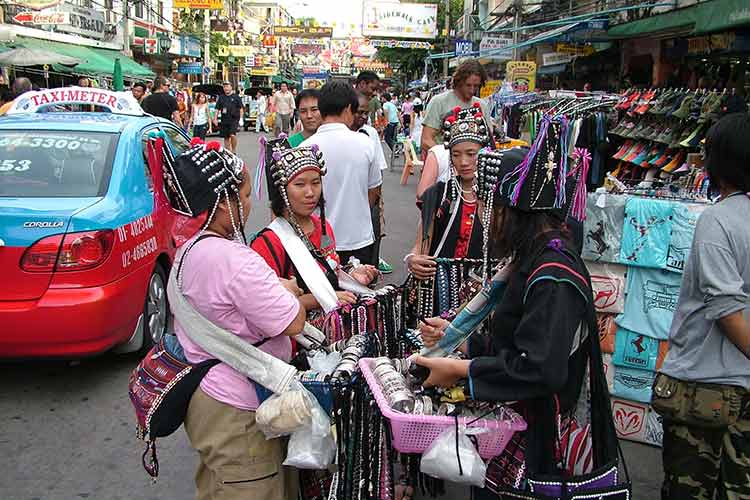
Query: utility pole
[[517, 4], [125, 29], [206, 45], [447, 29]]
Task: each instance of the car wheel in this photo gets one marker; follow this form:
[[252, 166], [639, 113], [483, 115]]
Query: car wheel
[[155, 309]]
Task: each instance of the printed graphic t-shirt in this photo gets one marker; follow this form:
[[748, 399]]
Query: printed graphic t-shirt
[[647, 233], [650, 302], [605, 215], [232, 286]]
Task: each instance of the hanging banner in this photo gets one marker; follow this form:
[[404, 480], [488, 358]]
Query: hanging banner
[[399, 20], [492, 46], [489, 88], [236, 51], [401, 44], [270, 71], [585, 50], [553, 58], [314, 80], [522, 75], [198, 4], [303, 31], [361, 47], [193, 68]]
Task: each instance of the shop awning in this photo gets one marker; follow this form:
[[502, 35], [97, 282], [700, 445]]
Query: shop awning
[[706, 17], [282, 79], [96, 62]]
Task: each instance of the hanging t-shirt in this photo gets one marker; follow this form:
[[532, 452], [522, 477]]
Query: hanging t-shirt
[[684, 219], [654, 431], [633, 384], [630, 419], [605, 214], [650, 302], [608, 284], [607, 332], [646, 233], [633, 350]]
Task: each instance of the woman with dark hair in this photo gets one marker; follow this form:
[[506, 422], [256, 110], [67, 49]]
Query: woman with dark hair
[[229, 306], [449, 225], [298, 243], [537, 351]]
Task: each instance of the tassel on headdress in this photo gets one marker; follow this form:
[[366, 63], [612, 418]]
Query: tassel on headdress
[[581, 172]]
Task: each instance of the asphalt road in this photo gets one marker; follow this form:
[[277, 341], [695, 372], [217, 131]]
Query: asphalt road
[[67, 429]]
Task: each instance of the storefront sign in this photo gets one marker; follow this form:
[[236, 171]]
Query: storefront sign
[[366, 64], [303, 31], [269, 41], [402, 44], [553, 58], [492, 46], [399, 20], [705, 44], [464, 48], [489, 88], [314, 80], [522, 75], [270, 71], [193, 68], [150, 46], [236, 51], [585, 50], [84, 22], [42, 18], [361, 47], [121, 103], [198, 4]]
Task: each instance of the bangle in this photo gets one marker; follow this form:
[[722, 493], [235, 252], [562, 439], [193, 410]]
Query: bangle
[[408, 256]]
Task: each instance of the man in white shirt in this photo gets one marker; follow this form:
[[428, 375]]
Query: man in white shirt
[[352, 183], [378, 220], [283, 102], [260, 121]]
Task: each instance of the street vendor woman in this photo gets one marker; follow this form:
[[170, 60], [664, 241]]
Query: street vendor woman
[[537, 350], [217, 279], [449, 226], [298, 243]]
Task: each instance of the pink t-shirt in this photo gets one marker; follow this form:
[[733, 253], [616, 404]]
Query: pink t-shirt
[[232, 286]]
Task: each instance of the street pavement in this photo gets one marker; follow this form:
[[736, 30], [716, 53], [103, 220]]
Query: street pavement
[[67, 429]]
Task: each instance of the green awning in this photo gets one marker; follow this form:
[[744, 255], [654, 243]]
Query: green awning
[[283, 79], [706, 17], [96, 61]]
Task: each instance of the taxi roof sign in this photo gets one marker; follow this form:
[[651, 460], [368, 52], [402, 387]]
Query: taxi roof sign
[[121, 103]]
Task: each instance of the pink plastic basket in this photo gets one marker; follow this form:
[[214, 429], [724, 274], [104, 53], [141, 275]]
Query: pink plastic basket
[[415, 433]]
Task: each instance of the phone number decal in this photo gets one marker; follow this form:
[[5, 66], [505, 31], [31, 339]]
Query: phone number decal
[[139, 252]]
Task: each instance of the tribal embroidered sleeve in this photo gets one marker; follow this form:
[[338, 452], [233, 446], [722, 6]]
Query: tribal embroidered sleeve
[[647, 233], [605, 214]]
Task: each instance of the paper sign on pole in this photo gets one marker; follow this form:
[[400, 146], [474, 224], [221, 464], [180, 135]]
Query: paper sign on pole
[[522, 75]]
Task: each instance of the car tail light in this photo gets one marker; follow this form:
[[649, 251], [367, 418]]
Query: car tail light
[[69, 252]]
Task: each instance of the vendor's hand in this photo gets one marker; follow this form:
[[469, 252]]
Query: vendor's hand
[[432, 330], [364, 274], [291, 286], [346, 297], [421, 266], [444, 372]]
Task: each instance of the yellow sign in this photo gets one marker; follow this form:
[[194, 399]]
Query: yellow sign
[[236, 51], [522, 75], [489, 88], [567, 48], [704, 44], [269, 71], [198, 4]]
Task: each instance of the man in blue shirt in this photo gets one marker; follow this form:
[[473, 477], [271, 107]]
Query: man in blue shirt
[[394, 120]]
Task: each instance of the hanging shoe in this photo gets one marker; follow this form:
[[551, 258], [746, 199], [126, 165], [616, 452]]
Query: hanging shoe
[[648, 179], [684, 110], [686, 143]]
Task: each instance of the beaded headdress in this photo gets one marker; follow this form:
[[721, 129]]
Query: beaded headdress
[[463, 125], [547, 179], [282, 163], [195, 180]]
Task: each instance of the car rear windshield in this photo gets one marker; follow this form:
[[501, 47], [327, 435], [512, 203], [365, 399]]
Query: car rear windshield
[[45, 163]]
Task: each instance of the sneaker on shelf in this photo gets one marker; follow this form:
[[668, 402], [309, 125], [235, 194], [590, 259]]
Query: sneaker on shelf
[[384, 267]]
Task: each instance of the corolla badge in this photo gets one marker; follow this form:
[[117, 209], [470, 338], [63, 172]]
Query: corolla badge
[[43, 224]]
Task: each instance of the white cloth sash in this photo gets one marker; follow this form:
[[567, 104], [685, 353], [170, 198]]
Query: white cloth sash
[[306, 265]]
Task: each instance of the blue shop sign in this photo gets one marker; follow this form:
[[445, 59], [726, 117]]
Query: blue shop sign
[[190, 46], [464, 48], [193, 68]]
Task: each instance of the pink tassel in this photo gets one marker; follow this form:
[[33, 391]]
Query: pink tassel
[[578, 209]]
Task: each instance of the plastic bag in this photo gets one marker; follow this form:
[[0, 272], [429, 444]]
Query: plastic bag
[[324, 362], [285, 413], [441, 460], [313, 446]]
